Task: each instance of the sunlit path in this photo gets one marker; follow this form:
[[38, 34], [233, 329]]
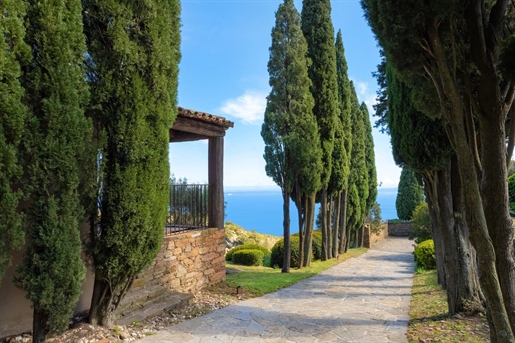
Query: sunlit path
[[364, 299]]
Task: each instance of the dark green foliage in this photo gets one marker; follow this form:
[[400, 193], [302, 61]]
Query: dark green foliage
[[409, 128], [343, 130], [55, 145], [319, 33], [370, 158], [278, 253], [265, 251], [421, 224], [134, 50], [511, 187], [507, 65], [410, 194], [425, 255], [289, 128], [13, 50], [358, 179], [248, 257]]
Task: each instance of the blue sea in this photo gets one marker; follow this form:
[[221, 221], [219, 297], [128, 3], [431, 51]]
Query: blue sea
[[262, 210]]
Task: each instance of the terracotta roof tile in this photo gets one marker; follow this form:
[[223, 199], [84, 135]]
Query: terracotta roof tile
[[207, 117]]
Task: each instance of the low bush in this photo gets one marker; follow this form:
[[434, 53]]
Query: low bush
[[425, 255], [229, 255], [316, 244], [511, 188], [278, 253], [250, 257]]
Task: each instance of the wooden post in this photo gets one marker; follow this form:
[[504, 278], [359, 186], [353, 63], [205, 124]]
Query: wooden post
[[216, 182]]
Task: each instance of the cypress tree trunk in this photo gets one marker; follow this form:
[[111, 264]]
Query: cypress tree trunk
[[343, 224], [39, 326], [325, 233], [310, 220], [336, 227], [286, 233]]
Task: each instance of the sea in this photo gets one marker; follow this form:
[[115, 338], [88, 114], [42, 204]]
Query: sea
[[262, 210]]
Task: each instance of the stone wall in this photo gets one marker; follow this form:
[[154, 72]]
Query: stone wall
[[370, 238], [186, 263], [399, 229]]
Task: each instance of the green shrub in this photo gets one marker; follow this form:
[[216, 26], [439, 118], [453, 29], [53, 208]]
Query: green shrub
[[316, 244], [278, 253], [421, 224], [511, 187], [265, 251], [250, 257], [425, 255]]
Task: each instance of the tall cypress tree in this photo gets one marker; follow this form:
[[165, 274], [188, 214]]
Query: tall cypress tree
[[133, 70], [289, 129], [13, 50], [358, 179], [319, 32], [342, 149], [57, 139], [370, 159], [409, 194]]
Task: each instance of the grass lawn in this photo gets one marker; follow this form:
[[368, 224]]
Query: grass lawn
[[430, 321], [262, 280]]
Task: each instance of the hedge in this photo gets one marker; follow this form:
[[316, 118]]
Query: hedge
[[229, 255], [248, 257], [425, 255]]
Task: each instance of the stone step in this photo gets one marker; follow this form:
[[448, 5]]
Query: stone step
[[139, 298], [170, 301]]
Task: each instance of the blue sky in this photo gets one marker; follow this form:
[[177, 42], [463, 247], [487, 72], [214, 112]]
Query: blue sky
[[225, 51]]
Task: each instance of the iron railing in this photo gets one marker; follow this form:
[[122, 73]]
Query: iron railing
[[188, 208]]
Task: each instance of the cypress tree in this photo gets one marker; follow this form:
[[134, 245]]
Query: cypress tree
[[56, 141], [319, 32], [13, 50], [289, 129], [409, 194], [370, 159], [133, 70], [358, 178], [342, 149]]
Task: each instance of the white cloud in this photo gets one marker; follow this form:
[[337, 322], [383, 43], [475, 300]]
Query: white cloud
[[250, 107], [365, 94]]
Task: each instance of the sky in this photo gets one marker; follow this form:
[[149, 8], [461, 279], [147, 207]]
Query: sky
[[223, 71]]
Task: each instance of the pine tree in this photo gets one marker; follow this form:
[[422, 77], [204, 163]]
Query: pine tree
[[319, 32], [342, 150], [13, 113], [410, 194], [55, 146], [289, 129], [133, 70]]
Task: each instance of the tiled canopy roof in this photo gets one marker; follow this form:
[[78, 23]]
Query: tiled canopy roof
[[206, 117]]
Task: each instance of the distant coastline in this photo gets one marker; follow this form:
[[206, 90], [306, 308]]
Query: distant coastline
[[260, 208]]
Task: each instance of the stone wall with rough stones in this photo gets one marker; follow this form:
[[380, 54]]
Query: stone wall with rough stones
[[187, 262], [370, 238], [399, 229]]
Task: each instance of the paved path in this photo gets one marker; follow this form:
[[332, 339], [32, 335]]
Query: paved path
[[364, 299]]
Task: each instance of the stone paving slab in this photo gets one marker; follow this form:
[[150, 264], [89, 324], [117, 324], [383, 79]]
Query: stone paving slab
[[364, 299]]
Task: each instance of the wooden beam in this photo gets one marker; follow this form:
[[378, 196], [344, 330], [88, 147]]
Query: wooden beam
[[180, 136], [216, 182], [198, 127]]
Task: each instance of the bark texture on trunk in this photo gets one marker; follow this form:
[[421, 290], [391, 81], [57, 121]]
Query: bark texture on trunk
[[324, 228], [310, 220], [39, 326], [343, 224], [336, 225], [286, 232]]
